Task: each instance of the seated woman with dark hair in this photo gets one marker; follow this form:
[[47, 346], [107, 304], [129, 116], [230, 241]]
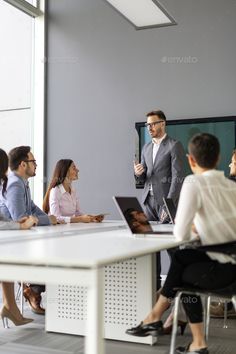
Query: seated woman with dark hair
[[61, 198], [10, 310], [208, 199]]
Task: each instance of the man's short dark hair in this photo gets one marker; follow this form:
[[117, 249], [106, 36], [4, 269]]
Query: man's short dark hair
[[205, 148], [17, 155], [158, 113]]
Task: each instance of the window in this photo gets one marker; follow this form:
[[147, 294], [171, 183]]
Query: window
[[21, 84], [16, 33]]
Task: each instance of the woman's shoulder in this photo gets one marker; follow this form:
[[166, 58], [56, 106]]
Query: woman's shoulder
[[191, 179], [192, 183], [57, 190]]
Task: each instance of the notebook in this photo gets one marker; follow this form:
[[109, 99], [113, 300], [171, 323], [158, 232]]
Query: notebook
[[136, 220], [170, 208]]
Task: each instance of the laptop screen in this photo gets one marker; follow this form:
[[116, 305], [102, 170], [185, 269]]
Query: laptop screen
[[132, 212], [171, 208]]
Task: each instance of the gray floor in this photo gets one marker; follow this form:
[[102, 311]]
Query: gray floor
[[32, 339]]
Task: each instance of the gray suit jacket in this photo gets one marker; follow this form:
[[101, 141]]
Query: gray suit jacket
[[166, 174]]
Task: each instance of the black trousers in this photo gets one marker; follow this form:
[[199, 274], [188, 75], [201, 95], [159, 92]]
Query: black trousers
[[193, 268], [38, 289]]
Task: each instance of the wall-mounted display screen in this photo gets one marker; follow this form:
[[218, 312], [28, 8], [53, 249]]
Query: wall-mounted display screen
[[222, 127]]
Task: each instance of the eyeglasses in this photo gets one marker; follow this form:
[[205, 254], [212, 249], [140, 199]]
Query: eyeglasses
[[151, 125], [34, 161]]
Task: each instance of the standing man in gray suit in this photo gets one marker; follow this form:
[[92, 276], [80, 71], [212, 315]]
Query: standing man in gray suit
[[161, 170]]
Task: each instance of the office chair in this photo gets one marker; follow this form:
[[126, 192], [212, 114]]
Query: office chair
[[228, 293]]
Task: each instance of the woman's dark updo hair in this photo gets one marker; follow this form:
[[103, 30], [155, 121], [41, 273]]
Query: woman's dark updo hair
[[3, 170]]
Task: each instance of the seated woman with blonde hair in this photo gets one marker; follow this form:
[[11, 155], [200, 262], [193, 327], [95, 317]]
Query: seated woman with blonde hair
[[10, 310], [61, 198]]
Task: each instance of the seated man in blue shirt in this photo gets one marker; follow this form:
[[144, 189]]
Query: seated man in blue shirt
[[17, 203]]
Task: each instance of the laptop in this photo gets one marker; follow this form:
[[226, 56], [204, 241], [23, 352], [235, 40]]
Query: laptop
[[170, 208], [136, 220]]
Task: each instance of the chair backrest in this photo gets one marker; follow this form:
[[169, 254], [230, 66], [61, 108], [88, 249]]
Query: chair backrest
[[228, 291]]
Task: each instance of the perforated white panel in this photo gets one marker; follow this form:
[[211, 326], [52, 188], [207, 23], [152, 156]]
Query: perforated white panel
[[120, 300], [72, 302], [121, 293], [128, 297]]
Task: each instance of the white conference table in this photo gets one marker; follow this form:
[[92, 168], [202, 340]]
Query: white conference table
[[59, 230], [76, 258]]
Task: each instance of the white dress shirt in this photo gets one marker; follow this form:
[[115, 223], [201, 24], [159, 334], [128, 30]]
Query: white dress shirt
[[208, 200], [156, 144], [155, 147]]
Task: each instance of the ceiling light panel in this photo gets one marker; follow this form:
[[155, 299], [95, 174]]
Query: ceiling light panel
[[143, 13]]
